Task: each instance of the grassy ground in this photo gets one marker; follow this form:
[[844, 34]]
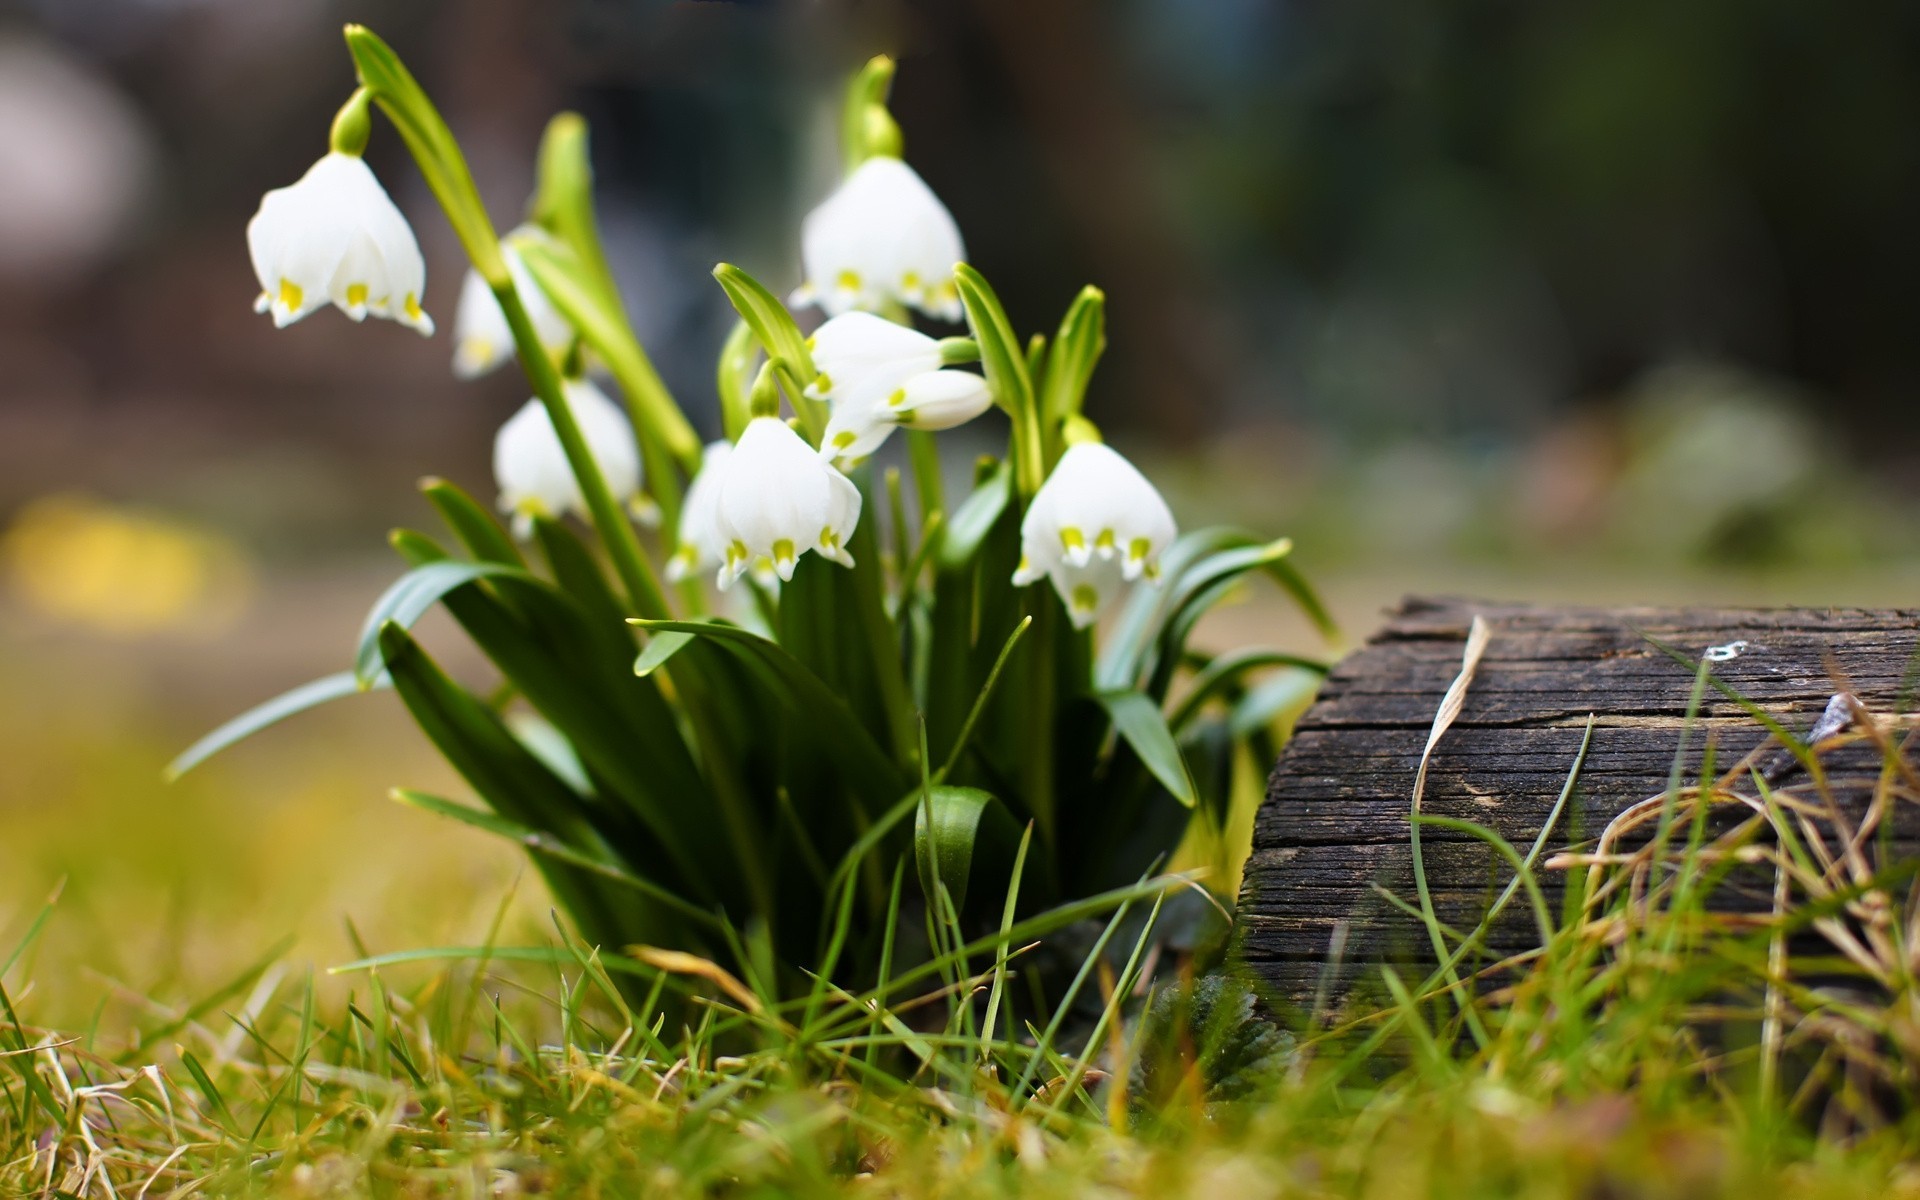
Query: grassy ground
[[172, 1026]]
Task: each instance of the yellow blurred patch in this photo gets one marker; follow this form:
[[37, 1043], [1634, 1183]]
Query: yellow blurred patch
[[123, 571]]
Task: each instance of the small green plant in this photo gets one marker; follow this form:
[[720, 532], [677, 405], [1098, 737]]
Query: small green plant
[[887, 674]]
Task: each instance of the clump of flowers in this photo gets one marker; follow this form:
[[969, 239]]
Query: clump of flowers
[[997, 688]]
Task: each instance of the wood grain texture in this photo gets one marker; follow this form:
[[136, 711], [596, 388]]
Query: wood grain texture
[[1334, 825]]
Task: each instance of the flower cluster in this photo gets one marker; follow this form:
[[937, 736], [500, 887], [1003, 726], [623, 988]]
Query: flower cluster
[[881, 244]]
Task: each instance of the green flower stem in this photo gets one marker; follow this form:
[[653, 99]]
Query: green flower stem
[[924, 453], [438, 155], [609, 518], [433, 147]]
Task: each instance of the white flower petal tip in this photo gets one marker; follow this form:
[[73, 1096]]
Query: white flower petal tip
[[530, 465], [778, 499], [879, 375], [1096, 525], [335, 237], [482, 340], [882, 237]]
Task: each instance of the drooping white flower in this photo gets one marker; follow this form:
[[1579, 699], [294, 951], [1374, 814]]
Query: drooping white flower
[[481, 337], [1096, 523], [701, 544], [883, 236], [336, 237], [780, 499], [530, 466], [879, 375]]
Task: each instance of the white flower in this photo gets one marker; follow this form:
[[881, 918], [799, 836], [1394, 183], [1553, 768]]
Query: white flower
[[780, 499], [883, 236], [481, 338], [701, 544], [879, 375], [336, 236], [531, 467], [1095, 524]]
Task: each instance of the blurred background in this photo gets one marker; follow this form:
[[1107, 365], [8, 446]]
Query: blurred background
[[1602, 300]]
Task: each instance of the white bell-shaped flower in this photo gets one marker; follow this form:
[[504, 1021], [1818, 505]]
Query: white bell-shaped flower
[[879, 375], [1097, 522], [336, 237], [780, 499], [701, 546], [530, 465], [481, 337], [882, 237]]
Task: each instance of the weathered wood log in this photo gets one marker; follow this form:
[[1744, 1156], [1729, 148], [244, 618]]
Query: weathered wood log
[[1334, 827]]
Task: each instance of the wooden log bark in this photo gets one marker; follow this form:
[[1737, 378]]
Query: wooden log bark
[[1334, 827]]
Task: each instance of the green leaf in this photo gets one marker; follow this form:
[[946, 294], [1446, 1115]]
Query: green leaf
[[1077, 348], [1288, 576], [1226, 672], [1138, 721], [1001, 353], [512, 781], [770, 320], [836, 731], [975, 519], [786, 348], [287, 704], [1197, 570], [660, 647], [409, 598], [542, 843], [1005, 362], [950, 822], [476, 528]]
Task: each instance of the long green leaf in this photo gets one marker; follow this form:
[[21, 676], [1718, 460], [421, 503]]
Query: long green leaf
[[660, 647], [1077, 347], [509, 778], [540, 842], [845, 739], [476, 528], [948, 826], [1138, 721], [975, 519], [409, 599], [287, 704], [1005, 363], [1226, 671]]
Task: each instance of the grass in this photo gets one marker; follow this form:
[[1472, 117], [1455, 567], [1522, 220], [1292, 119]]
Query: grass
[[1654, 1046]]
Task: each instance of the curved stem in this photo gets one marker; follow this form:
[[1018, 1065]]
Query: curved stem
[[609, 519]]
